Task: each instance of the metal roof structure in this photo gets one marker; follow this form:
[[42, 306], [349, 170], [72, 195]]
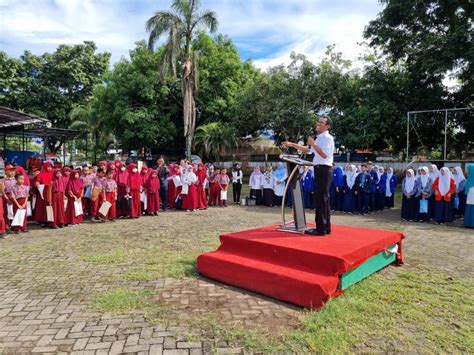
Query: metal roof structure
[[13, 118]]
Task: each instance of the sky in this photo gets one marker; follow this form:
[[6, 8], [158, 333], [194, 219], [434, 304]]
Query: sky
[[265, 31]]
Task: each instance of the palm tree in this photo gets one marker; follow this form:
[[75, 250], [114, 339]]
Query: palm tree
[[214, 138], [89, 123], [181, 25]]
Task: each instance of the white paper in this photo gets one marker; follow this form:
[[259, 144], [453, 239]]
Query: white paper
[[49, 213], [144, 200], [10, 210], [104, 209], [185, 189], [41, 190], [19, 218], [470, 196], [29, 212], [78, 208], [223, 194], [177, 181], [33, 201], [65, 204], [139, 166]]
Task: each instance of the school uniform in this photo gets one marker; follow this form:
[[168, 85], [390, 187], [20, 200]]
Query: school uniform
[[214, 191], [43, 178], [86, 201], [444, 188], [174, 189], [308, 188], [255, 183], [223, 181], [121, 178], [267, 185], [237, 180], [363, 185], [349, 203], [20, 193], [380, 187], [153, 193], [188, 192], [202, 179], [134, 186], [74, 192], [469, 211], [56, 201], [409, 188], [391, 181], [424, 191], [336, 195], [373, 175], [9, 183], [279, 178], [110, 188], [459, 202], [97, 184], [433, 176]]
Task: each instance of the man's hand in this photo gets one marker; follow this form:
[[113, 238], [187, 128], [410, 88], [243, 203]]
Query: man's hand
[[287, 144], [311, 141]]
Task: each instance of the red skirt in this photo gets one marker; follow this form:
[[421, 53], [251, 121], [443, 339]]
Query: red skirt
[[20, 201], [201, 197], [57, 201], [153, 202], [172, 194], [135, 204], [40, 208], [111, 197], [3, 225], [190, 200], [71, 214]]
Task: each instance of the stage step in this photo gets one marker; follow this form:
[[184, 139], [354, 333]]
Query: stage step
[[277, 281]]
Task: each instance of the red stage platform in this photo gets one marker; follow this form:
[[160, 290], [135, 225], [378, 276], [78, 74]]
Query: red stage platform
[[300, 269]]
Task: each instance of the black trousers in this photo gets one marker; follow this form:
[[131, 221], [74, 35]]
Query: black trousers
[[236, 188], [322, 181], [164, 195]]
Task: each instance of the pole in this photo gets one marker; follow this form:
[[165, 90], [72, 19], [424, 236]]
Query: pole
[[445, 132], [408, 135], [23, 144], [64, 153]]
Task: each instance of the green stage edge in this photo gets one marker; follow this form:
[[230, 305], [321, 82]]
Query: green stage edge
[[367, 268]]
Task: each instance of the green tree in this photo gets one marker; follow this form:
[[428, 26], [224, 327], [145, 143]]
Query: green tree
[[181, 26], [213, 139]]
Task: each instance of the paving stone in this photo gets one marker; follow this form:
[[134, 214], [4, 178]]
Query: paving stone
[[117, 347], [188, 345], [176, 352], [136, 348], [80, 344], [100, 345]]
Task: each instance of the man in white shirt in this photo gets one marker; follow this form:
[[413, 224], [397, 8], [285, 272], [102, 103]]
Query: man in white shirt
[[323, 150]]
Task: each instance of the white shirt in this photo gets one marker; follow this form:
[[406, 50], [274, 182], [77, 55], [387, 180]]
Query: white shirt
[[326, 142], [237, 176]]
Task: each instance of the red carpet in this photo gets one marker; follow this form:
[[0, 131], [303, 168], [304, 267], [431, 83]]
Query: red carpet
[[303, 270]]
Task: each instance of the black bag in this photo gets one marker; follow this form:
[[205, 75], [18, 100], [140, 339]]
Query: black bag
[[179, 202], [128, 204]]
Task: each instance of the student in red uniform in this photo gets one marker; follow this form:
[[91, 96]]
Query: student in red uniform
[[202, 178], [97, 187], [144, 174], [111, 194], [152, 188], [3, 226], [74, 192], [44, 179], [10, 181], [223, 183], [56, 199], [188, 192], [173, 190], [214, 191], [111, 165], [134, 185], [121, 177], [19, 197]]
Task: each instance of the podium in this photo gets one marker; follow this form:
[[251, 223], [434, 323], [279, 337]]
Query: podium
[[298, 225]]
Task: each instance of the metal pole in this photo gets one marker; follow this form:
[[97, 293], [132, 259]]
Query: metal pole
[[445, 132], [408, 135], [64, 153], [23, 143]]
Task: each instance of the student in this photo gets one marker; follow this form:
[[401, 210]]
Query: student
[[74, 192], [3, 225], [153, 193], [391, 181], [144, 175], [214, 191], [349, 204], [202, 179], [267, 185], [112, 165], [86, 178], [237, 180], [66, 176], [56, 200], [111, 188], [372, 170], [255, 183], [163, 173], [97, 194], [43, 180], [422, 195], [444, 188], [102, 165], [9, 182], [223, 183], [188, 191], [308, 189], [469, 211], [363, 184], [336, 195], [434, 174], [174, 189], [409, 189], [380, 189], [121, 178], [459, 202], [134, 185], [279, 177], [19, 198]]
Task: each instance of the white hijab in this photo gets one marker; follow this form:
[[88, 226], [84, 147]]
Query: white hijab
[[409, 181], [424, 178], [388, 193], [459, 177], [435, 172], [379, 174], [444, 181], [351, 176]]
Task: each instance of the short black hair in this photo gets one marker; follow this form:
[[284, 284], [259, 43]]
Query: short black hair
[[364, 165], [18, 175], [100, 170], [109, 171]]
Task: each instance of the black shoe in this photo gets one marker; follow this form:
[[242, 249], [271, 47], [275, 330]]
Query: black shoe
[[328, 231], [315, 232]]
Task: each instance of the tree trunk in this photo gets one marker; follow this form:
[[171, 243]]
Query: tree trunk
[[189, 106]]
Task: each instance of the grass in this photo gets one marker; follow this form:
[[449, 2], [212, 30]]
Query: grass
[[107, 258], [121, 301]]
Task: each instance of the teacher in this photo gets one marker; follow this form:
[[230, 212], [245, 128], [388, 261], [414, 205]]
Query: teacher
[[323, 150]]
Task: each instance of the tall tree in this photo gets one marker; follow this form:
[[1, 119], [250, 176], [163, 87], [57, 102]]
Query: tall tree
[[181, 25]]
